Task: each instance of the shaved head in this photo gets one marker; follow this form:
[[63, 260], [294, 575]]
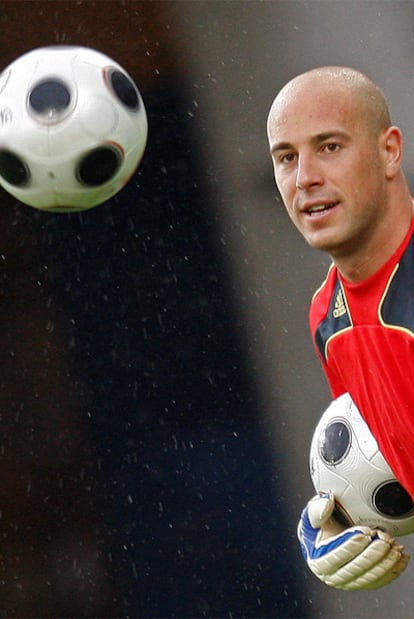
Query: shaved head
[[339, 80], [337, 164]]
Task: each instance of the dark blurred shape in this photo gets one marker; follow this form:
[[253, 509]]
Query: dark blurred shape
[[136, 477]]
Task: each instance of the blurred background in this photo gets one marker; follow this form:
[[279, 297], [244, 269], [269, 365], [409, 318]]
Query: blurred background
[[158, 387]]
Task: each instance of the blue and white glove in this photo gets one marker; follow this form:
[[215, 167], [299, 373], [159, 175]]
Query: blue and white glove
[[351, 558]]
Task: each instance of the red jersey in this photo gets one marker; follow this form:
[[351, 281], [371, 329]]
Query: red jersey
[[364, 336]]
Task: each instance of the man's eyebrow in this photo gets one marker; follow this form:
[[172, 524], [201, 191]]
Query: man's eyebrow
[[281, 146], [329, 135], [316, 139]]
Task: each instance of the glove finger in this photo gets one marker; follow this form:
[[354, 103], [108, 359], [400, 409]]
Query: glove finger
[[317, 510], [377, 561], [320, 508], [319, 532], [371, 563], [330, 556], [392, 574], [367, 581]]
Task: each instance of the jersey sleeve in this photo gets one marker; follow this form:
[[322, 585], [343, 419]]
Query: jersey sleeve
[[335, 384]]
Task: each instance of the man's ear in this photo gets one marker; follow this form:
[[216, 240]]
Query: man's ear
[[392, 148]]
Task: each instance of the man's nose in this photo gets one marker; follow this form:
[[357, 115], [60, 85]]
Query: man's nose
[[308, 172]]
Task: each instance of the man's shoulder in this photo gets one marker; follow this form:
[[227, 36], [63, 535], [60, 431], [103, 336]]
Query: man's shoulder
[[328, 314], [397, 305]]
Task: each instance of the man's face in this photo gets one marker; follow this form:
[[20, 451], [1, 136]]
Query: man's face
[[328, 167]]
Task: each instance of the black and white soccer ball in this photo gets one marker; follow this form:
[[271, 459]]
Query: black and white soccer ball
[[345, 459], [73, 128]]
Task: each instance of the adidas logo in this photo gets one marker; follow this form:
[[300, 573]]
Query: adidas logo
[[340, 307]]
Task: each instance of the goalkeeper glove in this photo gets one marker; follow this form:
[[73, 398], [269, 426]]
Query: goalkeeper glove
[[351, 558]]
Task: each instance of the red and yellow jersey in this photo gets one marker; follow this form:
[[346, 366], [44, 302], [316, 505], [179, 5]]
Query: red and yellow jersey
[[364, 336]]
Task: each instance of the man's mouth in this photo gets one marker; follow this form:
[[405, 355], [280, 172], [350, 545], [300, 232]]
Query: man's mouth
[[316, 209]]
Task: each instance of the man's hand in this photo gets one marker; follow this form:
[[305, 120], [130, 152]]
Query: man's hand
[[347, 558]]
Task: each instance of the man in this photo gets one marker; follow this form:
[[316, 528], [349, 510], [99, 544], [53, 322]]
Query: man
[[337, 164]]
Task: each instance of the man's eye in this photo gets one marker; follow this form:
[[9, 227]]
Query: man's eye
[[332, 147], [287, 158]]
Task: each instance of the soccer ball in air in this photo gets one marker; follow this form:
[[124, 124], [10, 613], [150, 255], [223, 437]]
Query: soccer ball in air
[[345, 459], [73, 128]]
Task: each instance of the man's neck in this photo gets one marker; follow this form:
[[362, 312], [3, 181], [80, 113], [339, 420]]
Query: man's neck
[[360, 265]]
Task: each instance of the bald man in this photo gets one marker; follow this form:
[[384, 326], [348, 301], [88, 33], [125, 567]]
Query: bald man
[[337, 164]]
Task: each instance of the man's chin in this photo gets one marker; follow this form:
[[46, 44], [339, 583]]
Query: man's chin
[[323, 243]]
